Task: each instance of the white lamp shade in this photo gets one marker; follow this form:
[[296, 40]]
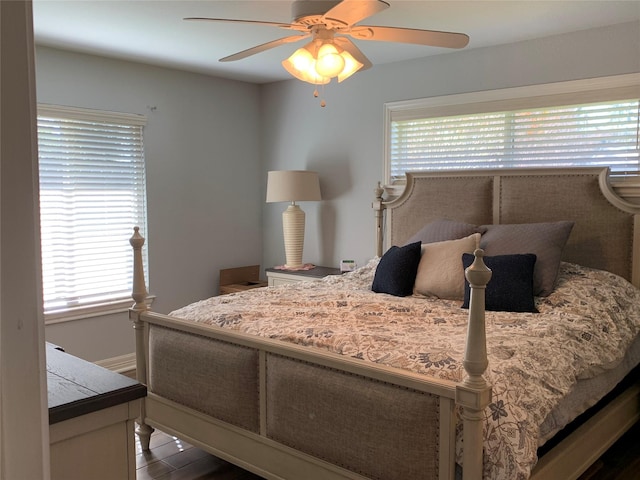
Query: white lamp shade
[[293, 186]]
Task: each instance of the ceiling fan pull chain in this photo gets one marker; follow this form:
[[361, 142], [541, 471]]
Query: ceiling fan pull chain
[[322, 102], [316, 94]]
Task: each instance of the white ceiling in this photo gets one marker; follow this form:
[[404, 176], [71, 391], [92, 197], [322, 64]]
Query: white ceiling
[[154, 32]]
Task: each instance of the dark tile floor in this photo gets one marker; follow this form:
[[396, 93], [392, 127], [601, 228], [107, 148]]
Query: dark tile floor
[[173, 459]]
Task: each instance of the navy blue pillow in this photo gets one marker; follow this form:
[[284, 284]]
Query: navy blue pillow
[[511, 286], [397, 269]]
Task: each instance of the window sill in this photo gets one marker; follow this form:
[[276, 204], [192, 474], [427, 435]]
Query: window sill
[[111, 308]]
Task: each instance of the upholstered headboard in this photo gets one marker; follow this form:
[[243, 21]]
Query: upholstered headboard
[[606, 233]]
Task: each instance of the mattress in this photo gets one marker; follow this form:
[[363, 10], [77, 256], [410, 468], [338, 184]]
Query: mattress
[[587, 393]]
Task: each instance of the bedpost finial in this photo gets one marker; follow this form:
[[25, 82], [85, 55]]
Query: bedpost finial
[[378, 191], [478, 274], [136, 240]]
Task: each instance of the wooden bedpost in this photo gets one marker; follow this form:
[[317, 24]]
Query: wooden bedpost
[[139, 294], [378, 208], [139, 289], [474, 393]]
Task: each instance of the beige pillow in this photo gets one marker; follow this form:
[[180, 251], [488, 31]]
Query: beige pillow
[[440, 272]]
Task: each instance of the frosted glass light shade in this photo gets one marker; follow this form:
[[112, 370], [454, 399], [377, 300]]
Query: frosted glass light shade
[[329, 62], [302, 59], [351, 66], [293, 186]]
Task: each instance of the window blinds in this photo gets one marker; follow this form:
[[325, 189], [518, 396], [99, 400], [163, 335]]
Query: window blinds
[[543, 132], [602, 134], [92, 194]]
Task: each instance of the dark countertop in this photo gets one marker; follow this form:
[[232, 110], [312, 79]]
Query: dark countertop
[[77, 387]]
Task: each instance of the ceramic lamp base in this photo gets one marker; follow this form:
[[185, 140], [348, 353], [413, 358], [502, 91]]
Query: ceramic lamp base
[[293, 227]]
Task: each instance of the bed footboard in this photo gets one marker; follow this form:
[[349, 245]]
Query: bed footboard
[[286, 411], [343, 418]]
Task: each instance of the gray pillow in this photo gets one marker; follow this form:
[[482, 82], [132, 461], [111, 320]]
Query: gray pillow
[[545, 240], [443, 230]]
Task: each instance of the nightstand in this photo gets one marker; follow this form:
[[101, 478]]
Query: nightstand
[[240, 279], [279, 277]]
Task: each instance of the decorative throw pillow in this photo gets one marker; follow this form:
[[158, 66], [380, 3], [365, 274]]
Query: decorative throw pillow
[[443, 230], [511, 286], [440, 272], [396, 271], [545, 240]]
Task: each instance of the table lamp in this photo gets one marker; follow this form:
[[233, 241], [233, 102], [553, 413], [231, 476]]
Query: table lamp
[[293, 186]]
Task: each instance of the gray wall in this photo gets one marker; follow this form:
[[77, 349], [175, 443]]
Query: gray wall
[[344, 140], [203, 178]]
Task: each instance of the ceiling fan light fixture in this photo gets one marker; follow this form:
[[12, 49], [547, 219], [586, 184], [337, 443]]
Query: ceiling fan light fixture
[[321, 60]]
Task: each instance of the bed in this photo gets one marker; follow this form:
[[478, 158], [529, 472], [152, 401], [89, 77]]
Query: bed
[[309, 381]]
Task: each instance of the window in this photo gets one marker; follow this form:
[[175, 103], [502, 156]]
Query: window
[[92, 194], [571, 124]]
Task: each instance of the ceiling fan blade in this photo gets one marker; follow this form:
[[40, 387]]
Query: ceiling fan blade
[[355, 52], [353, 11], [431, 38], [261, 48], [287, 26]]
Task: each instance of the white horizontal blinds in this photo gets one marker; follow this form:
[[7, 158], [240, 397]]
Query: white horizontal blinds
[[575, 123], [591, 134], [92, 194], [596, 134], [446, 143]]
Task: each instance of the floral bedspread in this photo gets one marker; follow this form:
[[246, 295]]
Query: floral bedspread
[[583, 328]]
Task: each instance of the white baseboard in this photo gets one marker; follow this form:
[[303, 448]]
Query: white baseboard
[[123, 364]]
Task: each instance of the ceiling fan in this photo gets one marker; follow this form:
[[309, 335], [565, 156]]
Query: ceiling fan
[[331, 53]]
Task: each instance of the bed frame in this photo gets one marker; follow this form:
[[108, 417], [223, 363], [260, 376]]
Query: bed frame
[[274, 385]]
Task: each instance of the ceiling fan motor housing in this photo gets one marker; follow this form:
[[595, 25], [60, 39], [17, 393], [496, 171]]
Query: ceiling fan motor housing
[[310, 12]]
